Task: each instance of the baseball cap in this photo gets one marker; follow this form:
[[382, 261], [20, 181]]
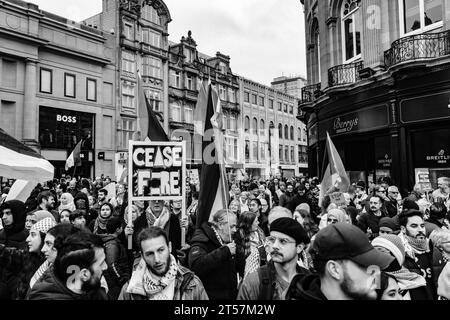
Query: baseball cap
[[343, 241]]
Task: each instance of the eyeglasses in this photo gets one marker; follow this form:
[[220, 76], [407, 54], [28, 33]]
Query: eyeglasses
[[282, 241]]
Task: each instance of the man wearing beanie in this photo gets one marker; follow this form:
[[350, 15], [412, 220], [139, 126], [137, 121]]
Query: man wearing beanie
[[347, 266], [412, 285], [287, 240]]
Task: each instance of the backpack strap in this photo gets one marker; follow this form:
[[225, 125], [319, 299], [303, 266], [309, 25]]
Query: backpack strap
[[265, 276]]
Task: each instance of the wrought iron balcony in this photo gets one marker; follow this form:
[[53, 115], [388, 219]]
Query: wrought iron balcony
[[418, 47], [308, 93], [344, 74]]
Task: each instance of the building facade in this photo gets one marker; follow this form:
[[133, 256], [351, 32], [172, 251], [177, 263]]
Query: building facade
[[57, 87], [379, 84], [274, 140], [289, 85]]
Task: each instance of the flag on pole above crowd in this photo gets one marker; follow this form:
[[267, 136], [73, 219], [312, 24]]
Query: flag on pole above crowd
[[74, 159], [213, 181], [18, 161], [335, 177]]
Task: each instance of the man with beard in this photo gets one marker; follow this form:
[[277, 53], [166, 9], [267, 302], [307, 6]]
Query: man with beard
[[76, 273], [369, 221], [286, 197], [158, 276], [46, 201], [420, 257], [286, 241], [347, 267], [101, 199]]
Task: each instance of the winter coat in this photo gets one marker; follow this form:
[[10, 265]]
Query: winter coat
[[213, 263], [369, 220], [187, 287], [118, 271], [49, 287], [305, 287], [285, 198], [17, 267]]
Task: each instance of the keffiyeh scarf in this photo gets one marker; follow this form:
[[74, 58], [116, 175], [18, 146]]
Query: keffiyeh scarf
[[161, 221], [145, 283]]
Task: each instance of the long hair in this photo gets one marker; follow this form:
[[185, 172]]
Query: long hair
[[244, 230]]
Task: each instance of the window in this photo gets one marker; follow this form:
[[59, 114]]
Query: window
[[286, 132], [254, 99], [262, 148], [231, 95], [280, 106], [247, 150], [292, 133], [286, 153], [128, 31], [292, 154], [152, 38], [304, 135], [190, 83], [351, 30], [128, 62], [299, 134], [255, 126], [46, 81], [188, 114], [91, 89], [280, 153], [236, 150], [175, 112], [189, 55], [175, 79], [9, 73], [246, 96], [255, 151], [151, 67], [291, 109], [233, 120], [271, 127], [285, 108], [261, 101], [247, 124], [154, 99], [262, 127], [280, 131], [420, 15], [69, 85], [126, 134], [128, 95], [270, 103], [149, 13], [222, 92]]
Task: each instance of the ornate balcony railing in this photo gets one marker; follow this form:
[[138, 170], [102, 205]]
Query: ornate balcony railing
[[421, 46], [344, 74], [308, 92]]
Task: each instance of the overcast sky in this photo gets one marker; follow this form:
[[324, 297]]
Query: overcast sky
[[264, 38]]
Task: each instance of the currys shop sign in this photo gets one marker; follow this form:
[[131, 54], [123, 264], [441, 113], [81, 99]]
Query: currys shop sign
[[342, 126]]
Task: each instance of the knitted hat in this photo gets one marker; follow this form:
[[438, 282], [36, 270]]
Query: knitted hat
[[303, 206], [290, 227], [44, 225], [387, 222], [42, 214], [393, 243]]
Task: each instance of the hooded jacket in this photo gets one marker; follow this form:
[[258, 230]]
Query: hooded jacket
[[213, 263], [305, 287], [15, 234], [48, 287]]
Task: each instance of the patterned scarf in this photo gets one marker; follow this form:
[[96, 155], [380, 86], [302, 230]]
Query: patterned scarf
[[408, 280], [101, 223], [39, 272], [161, 221], [145, 283], [419, 245]]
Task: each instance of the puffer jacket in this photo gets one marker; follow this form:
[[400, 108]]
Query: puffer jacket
[[213, 263], [187, 287]]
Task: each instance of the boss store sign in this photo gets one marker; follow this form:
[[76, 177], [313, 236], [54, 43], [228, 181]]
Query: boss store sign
[[62, 129]]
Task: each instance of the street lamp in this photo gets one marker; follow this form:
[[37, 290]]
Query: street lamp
[[271, 127]]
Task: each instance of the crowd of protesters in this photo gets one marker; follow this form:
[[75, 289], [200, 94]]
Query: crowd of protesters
[[274, 241]]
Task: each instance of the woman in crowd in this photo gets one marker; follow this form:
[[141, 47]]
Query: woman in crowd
[[98, 226], [66, 202], [389, 289], [250, 239], [64, 216]]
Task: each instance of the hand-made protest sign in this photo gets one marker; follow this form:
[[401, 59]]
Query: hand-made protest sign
[[157, 171]]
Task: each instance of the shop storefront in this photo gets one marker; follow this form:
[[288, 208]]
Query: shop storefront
[[59, 132]]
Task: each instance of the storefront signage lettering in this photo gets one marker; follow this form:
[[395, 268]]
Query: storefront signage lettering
[[386, 162], [67, 119], [345, 126], [441, 157]]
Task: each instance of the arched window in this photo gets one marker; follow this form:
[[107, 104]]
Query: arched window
[[149, 13], [280, 131], [286, 132], [292, 133], [247, 124], [351, 29], [255, 126], [262, 127], [299, 134], [315, 54], [271, 127]]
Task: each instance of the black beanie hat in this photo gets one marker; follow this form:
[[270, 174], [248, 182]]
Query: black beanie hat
[[292, 228], [410, 204]]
